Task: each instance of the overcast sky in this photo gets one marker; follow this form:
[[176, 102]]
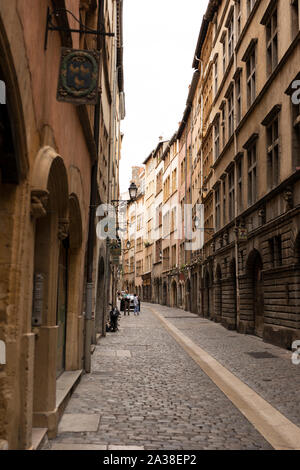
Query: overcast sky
[[160, 38]]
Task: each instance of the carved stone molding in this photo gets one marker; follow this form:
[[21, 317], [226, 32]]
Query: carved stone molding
[[39, 201], [262, 215], [63, 229], [288, 198]]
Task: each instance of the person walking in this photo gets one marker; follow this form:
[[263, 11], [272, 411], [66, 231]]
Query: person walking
[[136, 305], [127, 303]]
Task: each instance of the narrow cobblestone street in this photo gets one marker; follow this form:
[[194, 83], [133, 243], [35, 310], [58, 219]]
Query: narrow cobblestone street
[[146, 392]]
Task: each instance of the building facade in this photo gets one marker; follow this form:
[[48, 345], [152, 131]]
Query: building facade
[[250, 277], [238, 150], [50, 151]]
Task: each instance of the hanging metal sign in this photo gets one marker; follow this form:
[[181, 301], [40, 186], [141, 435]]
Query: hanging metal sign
[[78, 76], [243, 234]]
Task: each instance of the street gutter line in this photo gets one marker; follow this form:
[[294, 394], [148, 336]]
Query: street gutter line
[[279, 431]]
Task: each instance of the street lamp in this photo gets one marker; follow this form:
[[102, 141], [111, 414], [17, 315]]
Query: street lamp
[[133, 191]]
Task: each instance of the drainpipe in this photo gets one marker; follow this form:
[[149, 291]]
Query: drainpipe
[[91, 236]]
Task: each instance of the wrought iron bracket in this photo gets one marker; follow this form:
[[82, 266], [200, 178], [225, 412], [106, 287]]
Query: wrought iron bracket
[[83, 29]]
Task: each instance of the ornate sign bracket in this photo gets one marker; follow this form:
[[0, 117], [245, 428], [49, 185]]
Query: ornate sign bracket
[[83, 29]]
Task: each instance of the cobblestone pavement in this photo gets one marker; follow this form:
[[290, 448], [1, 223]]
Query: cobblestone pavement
[[148, 392], [275, 378]]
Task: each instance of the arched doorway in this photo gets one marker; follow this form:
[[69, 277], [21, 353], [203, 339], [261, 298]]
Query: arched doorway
[[232, 270], [195, 293], [51, 275], [180, 295], [218, 295], [62, 305], [100, 298], [206, 303], [156, 291], [165, 293], [174, 294], [188, 295], [254, 270]]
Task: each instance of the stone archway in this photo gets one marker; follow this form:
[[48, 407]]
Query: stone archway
[[156, 291], [232, 271], [75, 319], [100, 297], [188, 295], [165, 293], [254, 273], [195, 292], [50, 208], [206, 295], [218, 295], [180, 294], [174, 302]]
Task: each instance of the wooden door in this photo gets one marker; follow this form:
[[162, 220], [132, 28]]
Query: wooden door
[[61, 316]]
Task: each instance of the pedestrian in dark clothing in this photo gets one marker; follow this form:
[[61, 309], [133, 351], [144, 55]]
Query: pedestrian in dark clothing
[[127, 303], [136, 305]]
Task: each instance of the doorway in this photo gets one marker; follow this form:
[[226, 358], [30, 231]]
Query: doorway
[[62, 305], [258, 298]]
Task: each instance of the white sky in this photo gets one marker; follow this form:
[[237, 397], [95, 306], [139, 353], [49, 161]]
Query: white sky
[[160, 38]]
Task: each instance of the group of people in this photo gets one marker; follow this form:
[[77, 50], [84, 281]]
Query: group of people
[[125, 299]]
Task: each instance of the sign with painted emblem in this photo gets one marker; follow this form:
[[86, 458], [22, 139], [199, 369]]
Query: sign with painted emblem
[[243, 234], [78, 76]]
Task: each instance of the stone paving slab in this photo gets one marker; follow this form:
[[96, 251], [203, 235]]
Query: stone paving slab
[[123, 353], [78, 422], [158, 399]]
